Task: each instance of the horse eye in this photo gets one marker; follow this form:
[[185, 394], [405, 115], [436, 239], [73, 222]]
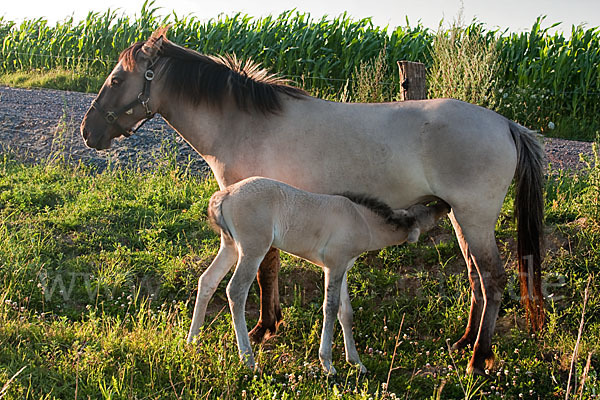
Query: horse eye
[[115, 82]]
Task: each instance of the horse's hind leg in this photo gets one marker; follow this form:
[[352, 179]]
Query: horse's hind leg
[[331, 304], [270, 309], [345, 318], [488, 280], [209, 281], [470, 335]]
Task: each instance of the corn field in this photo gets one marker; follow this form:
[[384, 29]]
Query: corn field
[[541, 80]]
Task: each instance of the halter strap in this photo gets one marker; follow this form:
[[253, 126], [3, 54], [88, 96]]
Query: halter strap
[[111, 117]]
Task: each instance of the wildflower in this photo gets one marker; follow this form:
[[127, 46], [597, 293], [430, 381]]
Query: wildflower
[[551, 125]]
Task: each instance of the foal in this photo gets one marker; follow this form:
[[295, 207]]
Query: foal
[[331, 231]]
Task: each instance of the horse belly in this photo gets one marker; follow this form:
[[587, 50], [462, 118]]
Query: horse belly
[[368, 165]]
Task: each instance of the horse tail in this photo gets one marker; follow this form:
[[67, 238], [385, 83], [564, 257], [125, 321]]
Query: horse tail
[[215, 213], [529, 211]]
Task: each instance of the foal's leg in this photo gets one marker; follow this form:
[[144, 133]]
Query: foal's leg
[[485, 264], [345, 318], [270, 309], [237, 293], [331, 305], [209, 281]]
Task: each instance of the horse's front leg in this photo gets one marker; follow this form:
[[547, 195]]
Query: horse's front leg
[[209, 281], [270, 309]]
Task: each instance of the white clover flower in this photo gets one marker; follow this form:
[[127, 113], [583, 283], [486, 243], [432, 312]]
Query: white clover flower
[[551, 125]]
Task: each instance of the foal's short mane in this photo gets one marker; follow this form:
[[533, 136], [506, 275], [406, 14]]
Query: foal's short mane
[[197, 77], [400, 221]]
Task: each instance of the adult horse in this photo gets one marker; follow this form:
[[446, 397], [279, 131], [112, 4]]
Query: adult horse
[[245, 122]]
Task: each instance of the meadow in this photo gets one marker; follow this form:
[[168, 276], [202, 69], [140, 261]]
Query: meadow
[[547, 81], [98, 268], [98, 271]]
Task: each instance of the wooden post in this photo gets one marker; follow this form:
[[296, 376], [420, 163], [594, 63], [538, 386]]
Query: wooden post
[[412, 80]]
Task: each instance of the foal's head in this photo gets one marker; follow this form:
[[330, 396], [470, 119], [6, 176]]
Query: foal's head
[[126, 99], [421, 218]]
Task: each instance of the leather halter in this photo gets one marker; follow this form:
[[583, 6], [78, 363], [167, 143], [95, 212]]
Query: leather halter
[[143, 99]]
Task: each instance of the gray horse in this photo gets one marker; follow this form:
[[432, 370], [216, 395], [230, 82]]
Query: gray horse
[[245, 122]]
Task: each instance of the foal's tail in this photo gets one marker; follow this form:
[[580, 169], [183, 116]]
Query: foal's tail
[[215, 213], [529, 210]]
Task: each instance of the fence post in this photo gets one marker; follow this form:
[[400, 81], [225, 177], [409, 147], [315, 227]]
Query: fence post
[[412, 80]]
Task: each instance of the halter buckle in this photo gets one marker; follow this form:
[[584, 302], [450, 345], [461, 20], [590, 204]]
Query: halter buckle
[[149, 75], [110, 117]]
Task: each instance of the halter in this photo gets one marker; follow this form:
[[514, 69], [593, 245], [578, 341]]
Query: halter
[[143, 98]]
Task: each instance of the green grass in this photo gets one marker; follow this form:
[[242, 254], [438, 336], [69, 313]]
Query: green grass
[[97, 282], [59, 79]]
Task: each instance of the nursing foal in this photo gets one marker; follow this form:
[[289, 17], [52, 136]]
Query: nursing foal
[[330, 231]]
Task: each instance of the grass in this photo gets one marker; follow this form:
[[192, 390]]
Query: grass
[[98, 272], [59, 79]]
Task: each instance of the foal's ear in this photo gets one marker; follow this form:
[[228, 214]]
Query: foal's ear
[[154, 43]]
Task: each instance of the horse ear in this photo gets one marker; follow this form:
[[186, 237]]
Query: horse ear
[[154, 43]]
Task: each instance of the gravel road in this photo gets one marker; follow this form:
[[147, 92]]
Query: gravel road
[[39, 124]]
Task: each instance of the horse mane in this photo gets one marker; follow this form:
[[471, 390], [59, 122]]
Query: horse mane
[[398, 220], [197, 77]]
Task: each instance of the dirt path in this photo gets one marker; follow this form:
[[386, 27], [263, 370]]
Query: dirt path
[[38, 124]]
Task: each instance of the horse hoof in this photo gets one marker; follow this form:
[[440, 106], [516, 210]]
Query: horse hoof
[[329, 369], [461, 344], [257, 335], [472, 370], [362, 368], [482, 366]]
